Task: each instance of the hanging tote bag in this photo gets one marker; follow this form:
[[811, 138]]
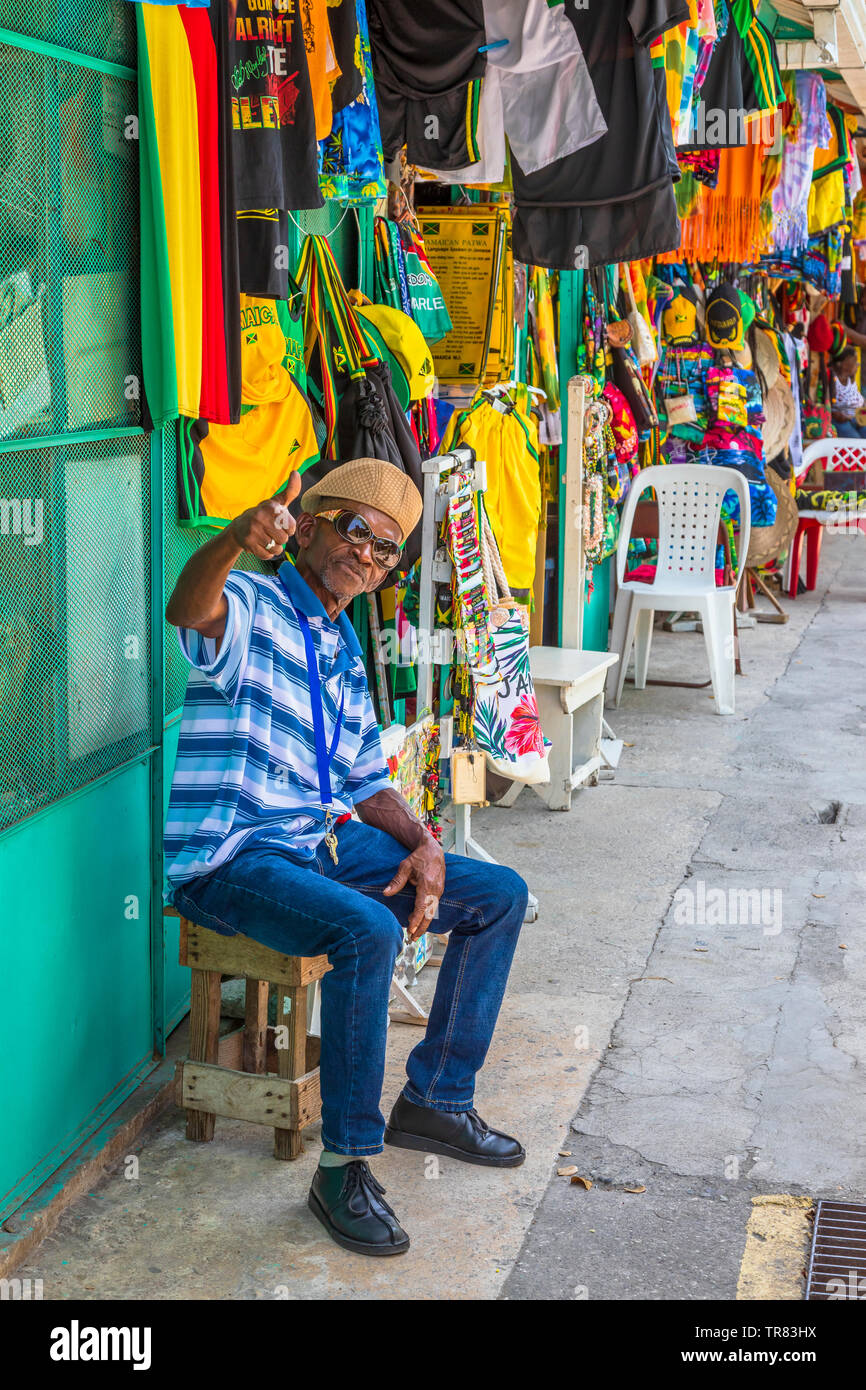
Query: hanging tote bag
[[506, 722], [429, 309]]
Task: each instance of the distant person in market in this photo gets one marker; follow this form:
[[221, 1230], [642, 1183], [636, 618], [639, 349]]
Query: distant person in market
[[278, 743], [847, 396]]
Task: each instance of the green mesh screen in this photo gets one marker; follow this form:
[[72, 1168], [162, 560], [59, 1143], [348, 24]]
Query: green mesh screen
[[99, 28], [69, 322], [180, 543], [75, 602], [74, 617]]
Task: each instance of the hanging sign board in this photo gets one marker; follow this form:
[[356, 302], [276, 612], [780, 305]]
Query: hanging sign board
[[465, 247]]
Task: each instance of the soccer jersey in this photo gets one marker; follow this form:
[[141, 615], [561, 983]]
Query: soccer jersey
[[224, 469], [263, 239]]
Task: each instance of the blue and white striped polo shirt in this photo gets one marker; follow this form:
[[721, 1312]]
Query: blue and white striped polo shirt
[[246, 762]]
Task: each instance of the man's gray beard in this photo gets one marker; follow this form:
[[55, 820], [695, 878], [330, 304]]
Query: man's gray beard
[[329, 585]]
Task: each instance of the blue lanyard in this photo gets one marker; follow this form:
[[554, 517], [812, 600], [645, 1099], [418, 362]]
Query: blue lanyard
[[323, 758]]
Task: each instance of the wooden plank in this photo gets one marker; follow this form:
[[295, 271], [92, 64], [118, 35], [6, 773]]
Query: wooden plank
[[292, 1014], [231, 1050], [202, 949], [255, 1025], [259, 1100], [291, 1060], [204, 1025]]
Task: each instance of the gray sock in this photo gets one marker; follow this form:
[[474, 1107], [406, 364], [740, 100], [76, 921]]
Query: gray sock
[[332, 1160]]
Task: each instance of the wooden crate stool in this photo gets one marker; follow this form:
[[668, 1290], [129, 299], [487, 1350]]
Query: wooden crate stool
[[264, 1075]]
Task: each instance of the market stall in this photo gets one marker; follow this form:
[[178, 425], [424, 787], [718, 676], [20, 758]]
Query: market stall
[[244, 240]]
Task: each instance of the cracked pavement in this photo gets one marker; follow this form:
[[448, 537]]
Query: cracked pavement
[[681, 1018], [735, 1067]]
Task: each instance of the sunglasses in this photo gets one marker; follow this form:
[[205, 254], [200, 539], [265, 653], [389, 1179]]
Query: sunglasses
[[355, 529]]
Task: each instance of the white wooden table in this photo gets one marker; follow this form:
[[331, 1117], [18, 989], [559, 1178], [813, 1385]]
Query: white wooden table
[[569, 687]]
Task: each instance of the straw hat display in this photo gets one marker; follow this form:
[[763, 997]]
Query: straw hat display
[[767, 543], [767, 358], [780, 418]]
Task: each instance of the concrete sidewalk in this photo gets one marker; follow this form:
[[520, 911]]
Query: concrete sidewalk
[[708, 1064]]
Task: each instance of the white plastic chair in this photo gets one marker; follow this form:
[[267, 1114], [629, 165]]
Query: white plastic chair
[[690, 500], [839, 456]]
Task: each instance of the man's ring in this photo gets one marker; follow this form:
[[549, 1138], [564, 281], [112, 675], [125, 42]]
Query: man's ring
[[270, 545]]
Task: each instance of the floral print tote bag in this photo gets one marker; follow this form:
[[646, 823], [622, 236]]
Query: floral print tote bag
[[506, 721]]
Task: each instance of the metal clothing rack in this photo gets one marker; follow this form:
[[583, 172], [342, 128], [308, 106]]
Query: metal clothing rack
[[436, 646]]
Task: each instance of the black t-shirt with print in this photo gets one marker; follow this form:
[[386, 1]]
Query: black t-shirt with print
[[343, 22], [637, 154], [275, 150]]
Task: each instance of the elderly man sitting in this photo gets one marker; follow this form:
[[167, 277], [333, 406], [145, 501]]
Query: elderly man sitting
[[278, 740]]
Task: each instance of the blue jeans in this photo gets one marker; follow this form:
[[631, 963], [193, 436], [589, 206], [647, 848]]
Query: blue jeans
[[316, 907], [849, 429]]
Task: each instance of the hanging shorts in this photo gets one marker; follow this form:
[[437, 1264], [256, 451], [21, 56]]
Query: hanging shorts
[[441, 131], [428, 66]]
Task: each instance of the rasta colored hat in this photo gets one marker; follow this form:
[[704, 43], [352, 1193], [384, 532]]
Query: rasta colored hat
[[373, 483], [680, 317], [840, 341], [725, 318]]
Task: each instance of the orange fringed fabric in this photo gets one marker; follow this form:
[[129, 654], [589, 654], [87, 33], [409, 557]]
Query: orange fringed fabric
[[727, 222]]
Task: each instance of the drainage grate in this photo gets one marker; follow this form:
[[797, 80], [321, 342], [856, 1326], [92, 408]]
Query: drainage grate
[[837, 1267]]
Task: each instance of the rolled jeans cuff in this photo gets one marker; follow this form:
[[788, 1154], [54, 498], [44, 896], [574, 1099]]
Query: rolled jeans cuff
[[453, 1107]]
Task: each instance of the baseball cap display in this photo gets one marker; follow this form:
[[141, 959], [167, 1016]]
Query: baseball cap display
[[680, 318], [725, 318]]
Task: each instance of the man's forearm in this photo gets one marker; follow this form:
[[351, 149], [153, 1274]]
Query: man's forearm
[[198, 595], [387, 810]]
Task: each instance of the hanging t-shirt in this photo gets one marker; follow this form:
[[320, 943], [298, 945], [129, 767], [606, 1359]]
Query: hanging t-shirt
[[321, 60], [263, 239], [569, 205], [275, 155], [263, 351], [343, 20]]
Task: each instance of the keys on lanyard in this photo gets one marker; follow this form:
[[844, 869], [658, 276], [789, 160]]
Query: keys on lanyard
[[323, 755]]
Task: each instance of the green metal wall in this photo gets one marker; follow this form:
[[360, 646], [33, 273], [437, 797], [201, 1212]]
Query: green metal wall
[[80, 571]]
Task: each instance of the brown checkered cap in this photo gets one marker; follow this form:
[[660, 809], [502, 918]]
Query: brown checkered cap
[[374, 483]]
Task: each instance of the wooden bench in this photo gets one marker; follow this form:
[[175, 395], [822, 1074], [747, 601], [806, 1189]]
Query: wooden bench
[[266, 1075], [569, 687]]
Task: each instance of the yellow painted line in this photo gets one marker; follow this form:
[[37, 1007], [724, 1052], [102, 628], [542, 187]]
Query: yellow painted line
[[778, 1238]]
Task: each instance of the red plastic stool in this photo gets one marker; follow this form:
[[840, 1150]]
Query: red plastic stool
[[813, 531]]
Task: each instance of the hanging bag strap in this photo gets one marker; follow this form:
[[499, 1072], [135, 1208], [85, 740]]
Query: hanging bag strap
[[495, 578], [330, 322]]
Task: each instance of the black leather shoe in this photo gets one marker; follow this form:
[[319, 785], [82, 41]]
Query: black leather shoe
[[464, 1135], [348, 1202]]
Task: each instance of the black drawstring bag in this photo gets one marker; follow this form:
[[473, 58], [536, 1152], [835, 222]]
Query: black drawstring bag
[[370, 424]]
